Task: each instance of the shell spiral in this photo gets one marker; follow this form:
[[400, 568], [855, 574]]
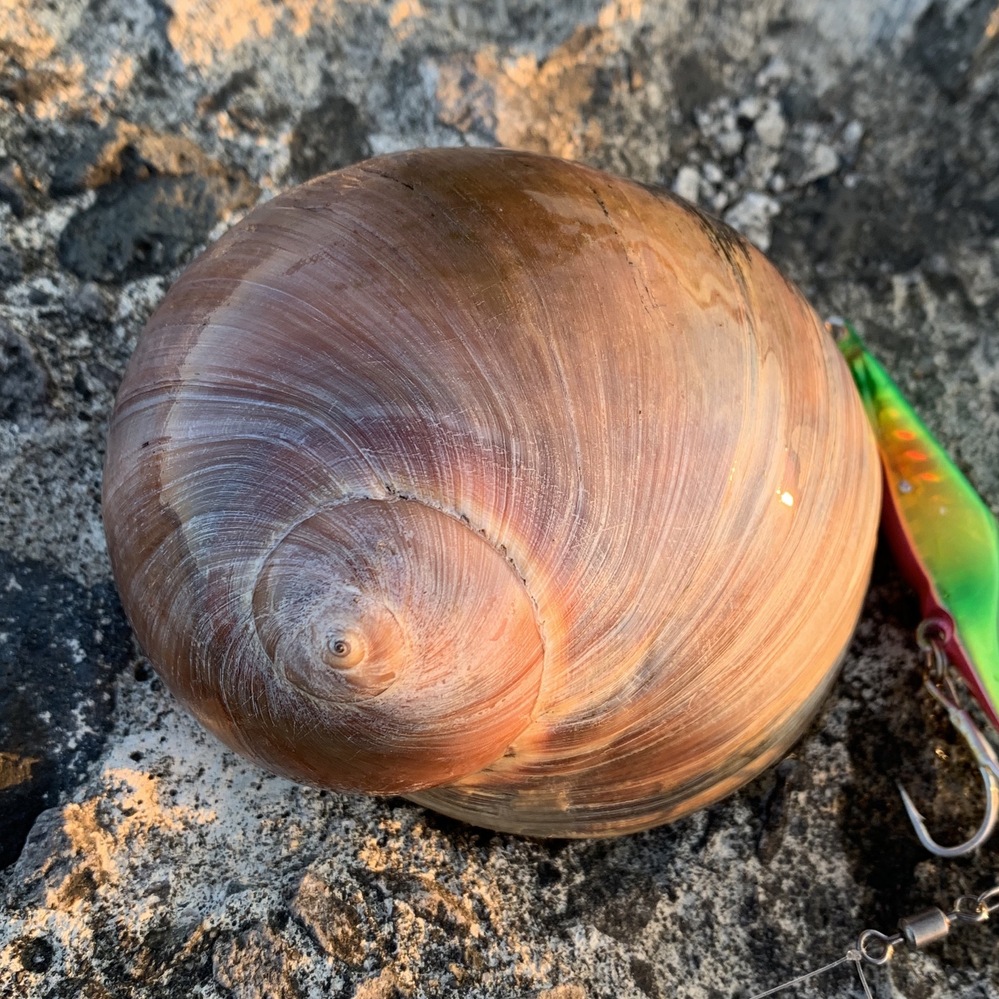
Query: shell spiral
[[490, 479]]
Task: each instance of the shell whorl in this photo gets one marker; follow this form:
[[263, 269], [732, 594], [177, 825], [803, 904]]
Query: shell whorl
[[494, 480]]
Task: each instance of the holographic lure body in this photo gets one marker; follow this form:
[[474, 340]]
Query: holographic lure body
[[942, 534]]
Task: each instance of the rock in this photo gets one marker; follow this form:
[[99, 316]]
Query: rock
[[145, 860], [76, 152], [14, 188], [10, 266], [140, 228], [688, 183], [61, 646], [23, 383], [158, 197], [752, 216], [850, 140], [977, 268], [749, 108], [720, 125], [713, 174], [770, 126], [327, 137], [89, 304], [822, 162]]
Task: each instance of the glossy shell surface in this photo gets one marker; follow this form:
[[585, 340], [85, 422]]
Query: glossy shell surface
[[493, 480]]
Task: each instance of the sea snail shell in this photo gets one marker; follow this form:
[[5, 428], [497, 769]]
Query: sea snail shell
[[490, 479]]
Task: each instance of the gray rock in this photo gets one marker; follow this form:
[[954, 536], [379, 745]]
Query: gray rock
[[10, 266], [146, 228], [23, 383], [688, 183], [327, 137], [770, 126], [145, 860], [822, 162], [61, 646], [752, 216]]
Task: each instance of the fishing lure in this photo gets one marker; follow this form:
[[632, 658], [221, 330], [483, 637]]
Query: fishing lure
[[946, 541]]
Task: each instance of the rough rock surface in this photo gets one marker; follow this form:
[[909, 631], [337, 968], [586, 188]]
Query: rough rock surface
[[857, 140]]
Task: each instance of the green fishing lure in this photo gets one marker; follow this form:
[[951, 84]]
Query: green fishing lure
[[942, 534]]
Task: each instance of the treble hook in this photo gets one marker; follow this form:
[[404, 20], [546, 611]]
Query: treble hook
[[981, 750]]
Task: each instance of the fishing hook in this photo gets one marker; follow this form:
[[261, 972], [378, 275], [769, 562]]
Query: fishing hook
[[936, 680]]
